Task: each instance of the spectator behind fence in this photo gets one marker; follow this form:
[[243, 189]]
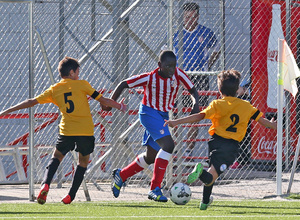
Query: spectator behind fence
[[196, 42]]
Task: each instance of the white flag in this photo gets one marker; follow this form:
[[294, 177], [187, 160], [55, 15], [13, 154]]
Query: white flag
[[288, 68]]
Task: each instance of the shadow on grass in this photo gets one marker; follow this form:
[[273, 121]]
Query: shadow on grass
[[254, 207], [168, 205], [12, 198], [31, 213]]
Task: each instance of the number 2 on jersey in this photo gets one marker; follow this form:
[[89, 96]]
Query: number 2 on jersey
[[235, 119], [71, 103]]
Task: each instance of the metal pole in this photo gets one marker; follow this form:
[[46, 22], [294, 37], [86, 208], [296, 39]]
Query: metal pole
[[15, 1], [279, 120], [49, 70], [294, 167], [169, 171], [93, 20], [222, 31], [31, 110], [170, 24], [110, 32], [61, 56], [61, 33], [287, 95], [288, 21], [180, 35]]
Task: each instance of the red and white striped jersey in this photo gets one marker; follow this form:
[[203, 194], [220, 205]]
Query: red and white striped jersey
[[159, 92]]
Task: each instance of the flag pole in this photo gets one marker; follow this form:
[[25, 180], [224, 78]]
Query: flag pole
[[279, 117]]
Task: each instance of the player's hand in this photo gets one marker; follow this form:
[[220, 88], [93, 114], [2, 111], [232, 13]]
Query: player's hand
[[170, 123], [123, 106], [273, 120], [274, 123], [105, 108]]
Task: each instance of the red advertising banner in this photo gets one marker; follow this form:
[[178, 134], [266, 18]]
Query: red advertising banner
[[269, 24]]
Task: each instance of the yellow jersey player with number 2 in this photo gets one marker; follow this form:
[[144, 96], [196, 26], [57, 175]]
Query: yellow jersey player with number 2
[[229, 117]]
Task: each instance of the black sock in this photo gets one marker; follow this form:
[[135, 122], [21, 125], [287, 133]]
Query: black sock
[[50, 170], [206, 177], [206, 193], [77, 180]]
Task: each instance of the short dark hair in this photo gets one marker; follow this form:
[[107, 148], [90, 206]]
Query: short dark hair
[[191, 6], [66, 65], [166, 54], [228, 82]]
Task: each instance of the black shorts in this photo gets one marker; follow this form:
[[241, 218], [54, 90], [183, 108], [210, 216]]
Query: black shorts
[[222, 152], [84, 144]]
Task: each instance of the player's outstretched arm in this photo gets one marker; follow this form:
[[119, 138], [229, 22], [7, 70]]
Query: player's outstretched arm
[[268, 124], [112, 103], [188, 119], [25, 104], [116, 94]]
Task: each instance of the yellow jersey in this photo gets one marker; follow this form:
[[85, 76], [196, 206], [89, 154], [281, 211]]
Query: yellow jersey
[[71, 98], [230, 117]]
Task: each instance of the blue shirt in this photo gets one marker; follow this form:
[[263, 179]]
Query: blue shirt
[[195, 47]]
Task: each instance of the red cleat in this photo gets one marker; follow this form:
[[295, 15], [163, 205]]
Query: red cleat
[[67, 199], [41, 199]]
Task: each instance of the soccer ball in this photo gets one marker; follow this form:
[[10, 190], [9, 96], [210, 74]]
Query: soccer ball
[[180, 194]]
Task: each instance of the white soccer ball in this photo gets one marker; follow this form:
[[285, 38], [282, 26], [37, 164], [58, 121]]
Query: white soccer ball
[[180, 194]]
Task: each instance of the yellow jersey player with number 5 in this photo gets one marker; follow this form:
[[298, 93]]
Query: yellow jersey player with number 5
[[229, 117], [76, 127]]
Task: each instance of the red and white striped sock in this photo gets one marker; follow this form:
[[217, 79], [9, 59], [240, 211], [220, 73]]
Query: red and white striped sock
[[134, 167], [160, 165]]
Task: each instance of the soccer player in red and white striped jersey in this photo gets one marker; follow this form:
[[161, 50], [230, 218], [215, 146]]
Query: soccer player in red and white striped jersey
[[160, 91]]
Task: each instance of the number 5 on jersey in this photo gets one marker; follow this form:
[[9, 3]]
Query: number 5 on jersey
[[71, 103]]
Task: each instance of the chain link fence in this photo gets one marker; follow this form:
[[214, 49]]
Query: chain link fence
[[116, 39]]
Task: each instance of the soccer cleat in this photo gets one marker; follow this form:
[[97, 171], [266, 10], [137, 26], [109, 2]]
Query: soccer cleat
[[67, 199], [157, 195], [41, 199], [117, 182], [204, 206], [194, 175]]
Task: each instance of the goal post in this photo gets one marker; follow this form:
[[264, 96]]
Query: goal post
[[30, 65]]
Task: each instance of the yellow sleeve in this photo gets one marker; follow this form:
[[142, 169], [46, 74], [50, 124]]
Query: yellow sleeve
[[91, 91], [257, 115], [209, 111], [45, 97]]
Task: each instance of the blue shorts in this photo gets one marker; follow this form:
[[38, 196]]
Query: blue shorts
[[153, 121]]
